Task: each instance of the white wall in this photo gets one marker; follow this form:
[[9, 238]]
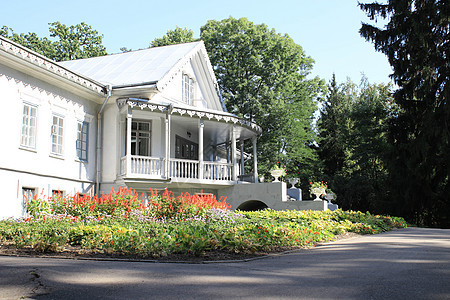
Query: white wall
[[20, 166]]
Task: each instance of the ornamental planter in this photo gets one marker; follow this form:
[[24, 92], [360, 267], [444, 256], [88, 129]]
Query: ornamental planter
[[293, 181], [277, 174], [329, 197], [318, 191]]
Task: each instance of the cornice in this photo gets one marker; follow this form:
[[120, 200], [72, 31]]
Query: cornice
[[48, 65]]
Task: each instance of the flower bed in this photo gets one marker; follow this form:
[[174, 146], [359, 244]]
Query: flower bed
[[122, 223]]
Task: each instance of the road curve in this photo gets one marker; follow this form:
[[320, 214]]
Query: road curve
[[412, 263]]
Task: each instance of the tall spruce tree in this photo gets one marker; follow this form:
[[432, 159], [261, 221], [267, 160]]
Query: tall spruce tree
[[416, 41], [353, 145]]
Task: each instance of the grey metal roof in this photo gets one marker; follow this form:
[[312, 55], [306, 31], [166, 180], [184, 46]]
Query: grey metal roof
[[131, 68]]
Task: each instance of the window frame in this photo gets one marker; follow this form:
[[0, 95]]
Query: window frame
[[27, 193], [59, 135], [29, 128], [185, 149], [187, 88], [80, 141], [138, 138]]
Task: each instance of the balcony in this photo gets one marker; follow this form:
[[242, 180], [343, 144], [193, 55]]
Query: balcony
[[146, 167]]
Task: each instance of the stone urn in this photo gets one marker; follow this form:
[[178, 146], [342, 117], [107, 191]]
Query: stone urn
[[293, 181], [261, 179], [277, 173], [330, 197], [318, 191]]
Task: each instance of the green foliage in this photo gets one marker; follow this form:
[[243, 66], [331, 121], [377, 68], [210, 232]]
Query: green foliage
[[69, 42], [416, 42], [262, 75], [354, 146], [176, 36], [213, 229]]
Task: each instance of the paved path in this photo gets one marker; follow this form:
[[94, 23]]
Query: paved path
[[411, 263]]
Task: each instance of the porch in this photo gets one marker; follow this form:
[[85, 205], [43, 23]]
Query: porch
[[166, 143]]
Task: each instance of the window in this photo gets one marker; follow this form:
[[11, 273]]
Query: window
[[27, 195], [141, 138], [28, 136], [185, 149], [188, 89], [82, 140], [57, 134], [58, 194]]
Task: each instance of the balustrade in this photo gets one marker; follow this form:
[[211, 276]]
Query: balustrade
[[178, 168]]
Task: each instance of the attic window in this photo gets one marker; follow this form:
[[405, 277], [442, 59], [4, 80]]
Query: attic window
[[188, 89]]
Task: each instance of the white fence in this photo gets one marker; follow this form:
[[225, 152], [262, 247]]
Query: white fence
[[177, 168]]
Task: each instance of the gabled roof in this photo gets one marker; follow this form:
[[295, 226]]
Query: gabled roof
[[132, 68]]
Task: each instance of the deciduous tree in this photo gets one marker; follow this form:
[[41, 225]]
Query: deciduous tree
[[176, 36], [69, 42], [262, 75]]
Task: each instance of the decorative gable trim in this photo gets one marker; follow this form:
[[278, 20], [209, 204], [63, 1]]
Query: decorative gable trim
[[219, 117], [178, 68], [48, 65]]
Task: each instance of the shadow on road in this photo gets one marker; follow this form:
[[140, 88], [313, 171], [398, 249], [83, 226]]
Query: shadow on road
[[409, 263]]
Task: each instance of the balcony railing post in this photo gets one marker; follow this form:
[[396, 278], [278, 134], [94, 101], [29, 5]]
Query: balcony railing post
[[255, 161], [167, 147], [233, 153], [128, 153], [200, 149], [242, 169]]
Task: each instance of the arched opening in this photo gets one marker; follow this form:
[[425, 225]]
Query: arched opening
[[252, 205]]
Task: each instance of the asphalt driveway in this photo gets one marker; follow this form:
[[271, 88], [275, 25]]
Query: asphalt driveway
[[411, 263]]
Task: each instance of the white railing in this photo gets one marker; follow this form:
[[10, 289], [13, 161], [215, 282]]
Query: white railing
[[178, 168], [183, 168], [123, 165], [217, 171], [143, 165]]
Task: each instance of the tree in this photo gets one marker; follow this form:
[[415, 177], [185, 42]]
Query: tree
[[416, 41], [73, 42], [334, 118], [176, 36], [263, 78], [76, 41], [30, 40], [353, 145]]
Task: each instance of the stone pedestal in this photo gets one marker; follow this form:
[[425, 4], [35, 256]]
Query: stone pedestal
[[295, 193]]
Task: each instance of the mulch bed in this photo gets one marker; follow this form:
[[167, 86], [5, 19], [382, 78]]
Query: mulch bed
[[76, 252]]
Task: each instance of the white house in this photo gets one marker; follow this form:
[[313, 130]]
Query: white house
[[148, 118], [181, 137], [151, 118]]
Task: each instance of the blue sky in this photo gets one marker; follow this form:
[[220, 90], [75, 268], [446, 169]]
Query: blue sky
[[326, 29]]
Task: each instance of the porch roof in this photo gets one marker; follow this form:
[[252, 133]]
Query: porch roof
[[214, 120]]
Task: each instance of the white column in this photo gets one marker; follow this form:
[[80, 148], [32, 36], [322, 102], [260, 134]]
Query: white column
[[255, 161], [128, 154], [241, 143], [200, 148], [233, 152], [167, 146]]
